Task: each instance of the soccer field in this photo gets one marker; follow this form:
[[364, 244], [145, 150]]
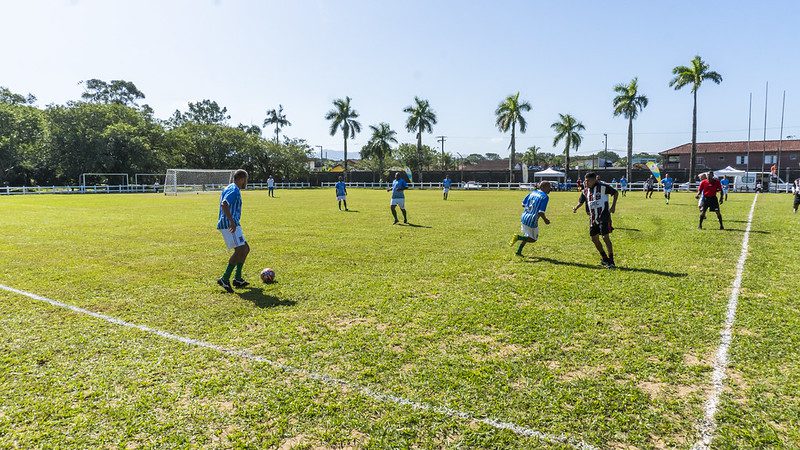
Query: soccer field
[[495, 351]]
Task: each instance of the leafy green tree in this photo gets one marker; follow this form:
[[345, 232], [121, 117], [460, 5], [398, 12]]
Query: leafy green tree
[[693, 76], [23, 140], [206, 112], [278, 119], [569, 130], [116, 91], [421, 119], [628, 103], [379, 147], [529, 157], [474, 158], [493, 157], [250, 129], [343, 117], [410, 156], [509, 114], [12, 98], [446, 161]]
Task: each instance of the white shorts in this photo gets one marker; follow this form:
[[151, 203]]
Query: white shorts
[[235, 239], [725, 191], [667, 191], [446, 190], [401, 202], [532, 233], [341, 197]]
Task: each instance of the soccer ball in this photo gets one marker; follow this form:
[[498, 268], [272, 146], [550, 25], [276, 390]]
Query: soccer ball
[[267, 275]]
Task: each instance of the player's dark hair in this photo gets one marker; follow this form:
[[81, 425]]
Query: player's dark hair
[[591, 175], [239, 174]]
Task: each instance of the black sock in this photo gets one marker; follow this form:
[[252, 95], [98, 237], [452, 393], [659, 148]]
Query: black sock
[[603, 255], [394, 213], [405, 217]]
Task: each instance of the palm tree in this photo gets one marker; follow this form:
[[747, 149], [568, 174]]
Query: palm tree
[[277, 118], [568, 129], [628, 103], [529, 157], [379, 146], [509, 114], [421, 118], [694, 75], [344, 117]]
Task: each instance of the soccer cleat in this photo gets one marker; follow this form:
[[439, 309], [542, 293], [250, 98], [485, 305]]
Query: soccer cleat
[[514, 240], [605, 263], [518, 254], [395, 222], [240, 283], [225, 285]]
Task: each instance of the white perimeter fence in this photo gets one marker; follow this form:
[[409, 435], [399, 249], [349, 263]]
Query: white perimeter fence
[[133, 188], [150, 188]]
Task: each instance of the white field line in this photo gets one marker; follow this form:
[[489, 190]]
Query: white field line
[[709, 424], [381, 397]]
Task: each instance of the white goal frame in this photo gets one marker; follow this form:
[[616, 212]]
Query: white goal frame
[[179, 181], [83, 177]]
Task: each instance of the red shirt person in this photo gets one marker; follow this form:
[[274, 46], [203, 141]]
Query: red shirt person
[[708, 189]]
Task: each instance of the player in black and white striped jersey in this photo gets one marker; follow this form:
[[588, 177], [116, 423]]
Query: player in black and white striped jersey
[[595, 196]]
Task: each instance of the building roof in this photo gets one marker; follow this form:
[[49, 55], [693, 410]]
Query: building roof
[[734, 147]]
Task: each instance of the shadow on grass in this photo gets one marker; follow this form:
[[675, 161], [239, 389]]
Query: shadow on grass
[[414, 225], [351, 210], [263, 300], [628, 229], [535, 259], [739, 230]]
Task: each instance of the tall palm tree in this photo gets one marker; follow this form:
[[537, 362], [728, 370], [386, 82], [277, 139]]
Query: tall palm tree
[[277, 118], [627, 104], [567, 129], [509, 114], [379, 146], [694, 76], [530, 156], [421, 119], [344, 117]]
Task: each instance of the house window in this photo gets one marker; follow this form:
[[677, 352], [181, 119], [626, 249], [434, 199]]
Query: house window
[[701, 160], [674, 159], [771, 159], [793, 157], [742, 159], [721, 157]]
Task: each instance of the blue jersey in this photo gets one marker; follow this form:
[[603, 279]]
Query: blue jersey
[[397, 188], [340, 188], [233, 197], [532, 205], [447, 182], [623, 182], [667, 183], [725, 183]]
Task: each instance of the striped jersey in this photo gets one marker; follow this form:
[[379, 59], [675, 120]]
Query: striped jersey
[[667, 183], [596, 199], [340, 188], [233, 197], [447, 182], [270, 182], [532, 205], [397, 188]]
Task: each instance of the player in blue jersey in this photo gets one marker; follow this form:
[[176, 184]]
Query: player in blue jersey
[[398, 197], [533, 207], [229, 224], [341, 194], [726, 184], [668, 184], [446, 186], [623, 184]]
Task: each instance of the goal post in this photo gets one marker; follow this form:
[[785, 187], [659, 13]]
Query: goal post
[[179, 181]]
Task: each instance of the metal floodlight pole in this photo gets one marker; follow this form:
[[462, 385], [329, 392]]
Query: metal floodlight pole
[[764, 147], [780, 139], [749, 127]]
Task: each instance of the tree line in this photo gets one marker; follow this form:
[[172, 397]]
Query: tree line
[[107, 130]]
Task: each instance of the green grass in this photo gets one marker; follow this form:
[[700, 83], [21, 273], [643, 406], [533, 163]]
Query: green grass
[[441, 313]]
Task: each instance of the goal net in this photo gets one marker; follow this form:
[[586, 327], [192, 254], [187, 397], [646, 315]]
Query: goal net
[[180, 181]]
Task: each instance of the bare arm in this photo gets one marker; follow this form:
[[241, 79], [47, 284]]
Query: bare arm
[[226, 209], [614, 202], [546, 220]]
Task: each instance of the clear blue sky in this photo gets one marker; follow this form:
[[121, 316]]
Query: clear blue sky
[[464, 56]]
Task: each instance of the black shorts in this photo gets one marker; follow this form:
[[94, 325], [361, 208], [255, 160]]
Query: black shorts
[[650, 188], [603, 228], [796, 200], [711, 203]]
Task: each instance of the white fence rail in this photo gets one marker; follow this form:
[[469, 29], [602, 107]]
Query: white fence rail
[[130, 188]]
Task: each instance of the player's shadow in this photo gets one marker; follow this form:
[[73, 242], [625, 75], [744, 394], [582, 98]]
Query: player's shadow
[[628, 229], [535, 259], [262, 299], [735, 221], [739, 230], [415, 225], [351, 210]]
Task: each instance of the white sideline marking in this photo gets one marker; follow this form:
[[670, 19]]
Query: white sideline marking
[[709, 423], [387, 398]]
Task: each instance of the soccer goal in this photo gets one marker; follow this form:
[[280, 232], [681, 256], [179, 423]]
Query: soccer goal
[[178, 181]]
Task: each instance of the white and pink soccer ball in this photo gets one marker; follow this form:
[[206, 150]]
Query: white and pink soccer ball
[[268, 275]]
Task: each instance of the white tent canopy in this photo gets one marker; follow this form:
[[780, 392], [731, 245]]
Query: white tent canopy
[[549, 173], [728, 172]]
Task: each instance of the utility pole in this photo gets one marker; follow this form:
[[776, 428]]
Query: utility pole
[[441, 140], [605, 151]]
